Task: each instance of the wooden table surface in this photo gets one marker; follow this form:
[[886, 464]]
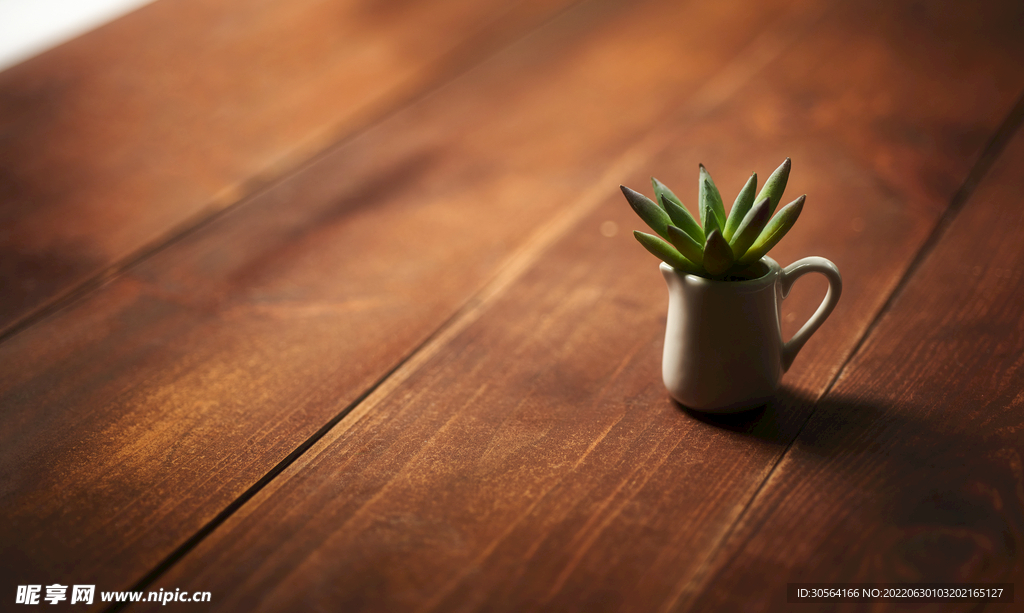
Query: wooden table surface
[[333, 305]]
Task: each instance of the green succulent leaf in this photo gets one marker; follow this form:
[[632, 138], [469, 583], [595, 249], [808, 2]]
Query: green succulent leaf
[[710, 225], [750, 228], [740, 207], [662, 191], [681, 217], [718, 244], [652, 214], [718, 256], [773, 232], [709, 201], [683, 242], [666, 252], [775, 186]]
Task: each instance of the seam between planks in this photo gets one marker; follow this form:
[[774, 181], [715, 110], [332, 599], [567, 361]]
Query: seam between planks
[[517, 264], [460, 59], [444, 332], [762, 51], [1002, 135], [703, 102]]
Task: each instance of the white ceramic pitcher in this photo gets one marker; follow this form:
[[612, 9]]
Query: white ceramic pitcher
[[723, 342]]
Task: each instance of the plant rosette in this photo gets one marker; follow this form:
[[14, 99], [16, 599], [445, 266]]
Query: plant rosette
[[724, 351]]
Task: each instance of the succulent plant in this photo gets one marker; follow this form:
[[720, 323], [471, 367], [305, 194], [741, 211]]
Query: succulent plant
[[719, 246]]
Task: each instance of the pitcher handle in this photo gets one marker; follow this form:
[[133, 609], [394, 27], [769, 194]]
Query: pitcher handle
[[835, 288]]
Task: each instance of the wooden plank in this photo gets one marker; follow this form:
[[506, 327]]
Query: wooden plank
[[139, 130], [529, 457], [135, 416], [910, 468]]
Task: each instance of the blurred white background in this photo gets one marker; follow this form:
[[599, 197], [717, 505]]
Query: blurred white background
[[29, 27]]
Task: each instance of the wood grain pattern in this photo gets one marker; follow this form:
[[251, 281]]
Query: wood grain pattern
[[137, 414], [910, 469], [530, 459], [118, 139]]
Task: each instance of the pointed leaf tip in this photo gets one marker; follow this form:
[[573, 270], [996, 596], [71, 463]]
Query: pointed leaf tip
[[740, 207], [718, 256], [774, 231], [710, 202], [662, 192], [652, 214], [775, 186]]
